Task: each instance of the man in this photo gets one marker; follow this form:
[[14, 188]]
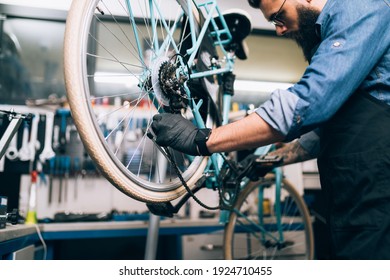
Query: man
[[344, 95]]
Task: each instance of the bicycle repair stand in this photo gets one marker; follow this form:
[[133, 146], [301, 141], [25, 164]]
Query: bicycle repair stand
[[15, 121], [152, 237], [154, 220]]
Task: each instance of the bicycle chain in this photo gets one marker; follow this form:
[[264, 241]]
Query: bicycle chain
[[172, 161]]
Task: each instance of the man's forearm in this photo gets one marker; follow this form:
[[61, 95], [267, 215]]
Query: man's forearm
[[249, 132], [292, 152]]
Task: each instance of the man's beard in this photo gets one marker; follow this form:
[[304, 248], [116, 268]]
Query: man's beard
[[306, 36]]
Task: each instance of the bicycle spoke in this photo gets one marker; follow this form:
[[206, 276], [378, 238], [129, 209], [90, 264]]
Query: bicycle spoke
[[248, 238], [119, 47]]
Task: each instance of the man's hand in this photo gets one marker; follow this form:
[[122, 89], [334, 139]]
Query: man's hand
[[176, 132]]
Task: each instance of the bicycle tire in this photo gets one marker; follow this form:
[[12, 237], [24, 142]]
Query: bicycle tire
[[155, 182], [241, 243]]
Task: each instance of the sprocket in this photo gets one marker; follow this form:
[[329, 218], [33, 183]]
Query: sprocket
[[167, 86]]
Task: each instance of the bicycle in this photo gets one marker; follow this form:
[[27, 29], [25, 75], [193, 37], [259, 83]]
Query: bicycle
[[167, 53]]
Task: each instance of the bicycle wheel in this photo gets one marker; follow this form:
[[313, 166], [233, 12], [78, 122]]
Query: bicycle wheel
[[246, 238], [120, 58]]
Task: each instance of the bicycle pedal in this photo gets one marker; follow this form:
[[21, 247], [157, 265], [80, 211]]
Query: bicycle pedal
[[285, 244], [165, 209], [268, 160]]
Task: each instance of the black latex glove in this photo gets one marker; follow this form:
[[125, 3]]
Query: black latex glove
[[172, 130]]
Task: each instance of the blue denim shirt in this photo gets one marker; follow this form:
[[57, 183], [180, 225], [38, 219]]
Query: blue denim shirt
[[354, 54]]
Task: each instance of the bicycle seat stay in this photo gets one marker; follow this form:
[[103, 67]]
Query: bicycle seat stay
[[239, 25]]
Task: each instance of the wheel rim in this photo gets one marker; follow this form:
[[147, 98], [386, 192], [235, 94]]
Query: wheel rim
[[121, 130], [245, 241]]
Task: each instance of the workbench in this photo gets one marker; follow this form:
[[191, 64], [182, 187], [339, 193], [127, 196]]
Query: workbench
[[16, 237]]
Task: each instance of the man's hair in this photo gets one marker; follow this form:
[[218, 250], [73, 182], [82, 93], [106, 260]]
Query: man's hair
[[254, 3]]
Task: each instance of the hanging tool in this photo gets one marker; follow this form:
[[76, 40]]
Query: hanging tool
[[2, 162], [15, 119], [47, 152], [59, 173], [33, 144], [12, 151], [66, 168], [77, 175], [64, 114], [24, 152], [52, 162], [62, 162]]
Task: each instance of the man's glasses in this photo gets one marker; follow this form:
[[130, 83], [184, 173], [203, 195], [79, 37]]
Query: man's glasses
[[254, 3], [274, 18]]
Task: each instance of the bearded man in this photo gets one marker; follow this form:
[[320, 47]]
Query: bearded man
[[340, 107]]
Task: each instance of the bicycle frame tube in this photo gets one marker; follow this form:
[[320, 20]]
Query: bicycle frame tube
[[135, 30], [210, 7], [218, 32], [217, 42], [153, 23], [196, 44], [216, 160], [278, 186], [259, 226]]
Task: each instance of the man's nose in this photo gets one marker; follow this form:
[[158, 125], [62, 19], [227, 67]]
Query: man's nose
[[281, 30]]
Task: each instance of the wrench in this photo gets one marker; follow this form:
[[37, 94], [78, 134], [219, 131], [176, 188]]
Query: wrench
[[34, 143], [24, 152], [12, 150], [52, 162], [47, 152]]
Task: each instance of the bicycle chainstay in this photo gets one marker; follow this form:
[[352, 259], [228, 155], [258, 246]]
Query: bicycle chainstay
[[231, 175]]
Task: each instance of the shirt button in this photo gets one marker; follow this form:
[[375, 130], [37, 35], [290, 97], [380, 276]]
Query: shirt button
[[298, 119], [336, 44]]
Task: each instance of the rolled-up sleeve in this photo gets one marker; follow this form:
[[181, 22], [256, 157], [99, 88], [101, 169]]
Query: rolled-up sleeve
[[279, 110], [352, 44]]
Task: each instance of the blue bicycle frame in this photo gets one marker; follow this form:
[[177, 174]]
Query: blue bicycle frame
[[209, 9]]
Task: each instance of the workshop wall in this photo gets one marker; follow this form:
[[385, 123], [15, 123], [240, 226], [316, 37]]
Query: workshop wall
[[39, 58]]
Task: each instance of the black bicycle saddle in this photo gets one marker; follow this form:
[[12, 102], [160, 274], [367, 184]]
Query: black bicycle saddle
[[240, 27]]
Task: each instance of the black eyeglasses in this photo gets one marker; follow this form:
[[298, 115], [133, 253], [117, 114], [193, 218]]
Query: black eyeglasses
[[254, 3], [274, 18]]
